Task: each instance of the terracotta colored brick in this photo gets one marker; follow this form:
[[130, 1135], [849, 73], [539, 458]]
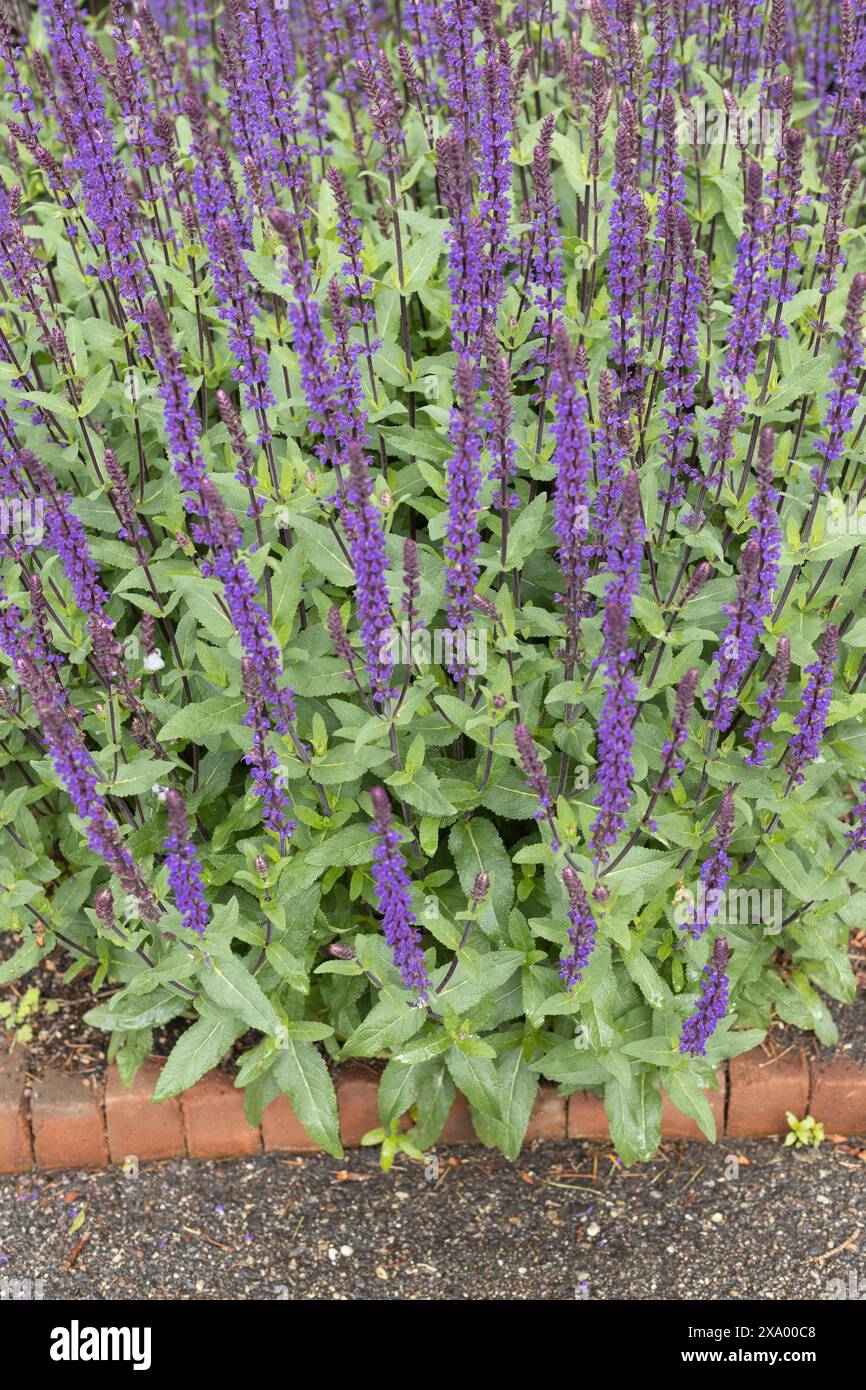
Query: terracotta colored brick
[[282, 1131], [676, 1125], [761, 1091], [547, 1120], [458, 1127], [15, 1148], [214, 1119], [136, 1126], [839, 1096], [357, 1087], [68, 1125], [586, 1116]]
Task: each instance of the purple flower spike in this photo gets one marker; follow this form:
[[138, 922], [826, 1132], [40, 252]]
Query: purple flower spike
[[856, 836], [394, 892], [66, 535], [536, 777], [616, 731], [683, 706], [715, 870], [737, 643], [370, 563], [768, 704], [582, 931], [805, 746], [184, 870], [462, 539], [572, 458], [768, 532], [712, 1005]]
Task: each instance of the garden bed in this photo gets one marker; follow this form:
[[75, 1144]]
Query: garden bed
[[62, 1105]]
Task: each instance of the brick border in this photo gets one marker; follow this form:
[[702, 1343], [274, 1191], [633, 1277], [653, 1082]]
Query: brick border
[[61, 1121]]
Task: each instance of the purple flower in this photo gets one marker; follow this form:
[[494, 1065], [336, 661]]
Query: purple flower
[[615, 730], [461, 534], [715, 870], [536, 777], [846, 374], [370, 563], [181, 423], [67, 537], [627, 231], [77, 772], [768, 704], [495, 171], [243, 601], [110, 209], [326, 417], [573, 462], [611, 451], [456, 21], [625, 547], [581, 933], [545, 273], [358, 284], [768, 532], [681, 373], [683, 706], [184, 870], [712, 1005], [500, 441], [737, 642], [464, 238], [856, 836], [751, 285], [394, 893], [268, 782], [811, 719]]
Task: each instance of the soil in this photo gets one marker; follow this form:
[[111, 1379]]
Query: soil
[[739, 1220], [63, 1040]]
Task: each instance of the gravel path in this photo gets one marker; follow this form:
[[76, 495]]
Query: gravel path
[[681, 1227]]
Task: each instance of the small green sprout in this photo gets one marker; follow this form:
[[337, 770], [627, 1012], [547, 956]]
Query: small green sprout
[[806, 1133]]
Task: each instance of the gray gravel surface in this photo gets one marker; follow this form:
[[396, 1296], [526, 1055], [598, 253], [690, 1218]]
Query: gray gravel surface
[[738, 1221]]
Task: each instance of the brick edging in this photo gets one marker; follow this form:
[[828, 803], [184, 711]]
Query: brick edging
[[62, 1121]]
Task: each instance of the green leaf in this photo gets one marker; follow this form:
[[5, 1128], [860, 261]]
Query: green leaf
[[205, 719], [476, 1077], [688, 1096], [231, 986], [634, 1115], [196, 1051], [477, 847], [301, 1073]]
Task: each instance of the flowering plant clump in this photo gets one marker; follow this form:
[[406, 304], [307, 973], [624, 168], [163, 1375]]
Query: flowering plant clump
[[431, 564]]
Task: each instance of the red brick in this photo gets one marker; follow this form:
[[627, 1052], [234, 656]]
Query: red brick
[[586, 1116], [137, 1127], [214, 1120], [16, 1154], [282, 1131], [458, 1127], [762, 1089], [676, 1125], [357, 1087], [839, 1096], [547, 1120], [68, 1125]]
